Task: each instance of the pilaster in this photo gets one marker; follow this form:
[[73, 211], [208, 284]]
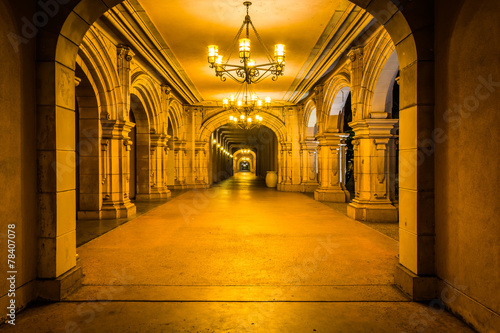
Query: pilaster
[[179, 148], [158, 167], [330, 157], [116, 146], [374, 156], [309, 173]]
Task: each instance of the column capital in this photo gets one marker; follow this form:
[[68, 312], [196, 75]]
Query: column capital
[[374, 128], [356, 54], [125, 52], [329, 139]]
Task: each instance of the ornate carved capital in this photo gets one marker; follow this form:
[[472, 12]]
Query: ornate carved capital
[[125, 52]]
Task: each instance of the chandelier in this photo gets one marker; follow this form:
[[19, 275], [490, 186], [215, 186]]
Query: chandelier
[[246, 106], [247, 71]]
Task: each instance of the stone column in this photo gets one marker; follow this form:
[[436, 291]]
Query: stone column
[[124, 59], [309, 176], [201, 165], [158, 157], [331, 148], [116, 169], [286, 157], [179, 147], [357, 90], [374, 154]]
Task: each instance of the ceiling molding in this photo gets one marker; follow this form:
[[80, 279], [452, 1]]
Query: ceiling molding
[[131, 24]]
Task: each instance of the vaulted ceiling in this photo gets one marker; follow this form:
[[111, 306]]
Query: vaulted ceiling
[[315, 32]]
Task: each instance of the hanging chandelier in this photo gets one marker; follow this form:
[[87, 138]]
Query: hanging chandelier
[[246, 106], [248, 71]]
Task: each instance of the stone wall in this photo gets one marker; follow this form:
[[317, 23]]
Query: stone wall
[[468, 159], [18, 173]]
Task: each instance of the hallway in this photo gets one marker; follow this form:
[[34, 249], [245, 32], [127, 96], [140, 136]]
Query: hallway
[[238, 257]]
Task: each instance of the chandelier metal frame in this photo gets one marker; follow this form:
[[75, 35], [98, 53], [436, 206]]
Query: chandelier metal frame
[[246, 106], [248, 71]]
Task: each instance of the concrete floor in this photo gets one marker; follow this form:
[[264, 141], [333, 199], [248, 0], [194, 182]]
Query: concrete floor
[[238, 258]]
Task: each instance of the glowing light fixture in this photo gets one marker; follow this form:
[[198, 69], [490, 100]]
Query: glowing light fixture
[[247, 71]]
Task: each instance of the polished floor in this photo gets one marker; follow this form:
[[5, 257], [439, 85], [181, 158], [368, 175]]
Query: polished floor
[[238, 258]]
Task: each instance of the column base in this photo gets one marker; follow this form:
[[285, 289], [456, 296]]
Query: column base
[[308, 187], [332, 195], [160, 193], [289, 188], [112, 210], [57, 289], [89, 215], [418, 288], [372, 212]]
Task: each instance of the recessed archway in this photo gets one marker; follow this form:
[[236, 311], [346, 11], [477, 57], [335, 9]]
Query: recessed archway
[[56, 69]]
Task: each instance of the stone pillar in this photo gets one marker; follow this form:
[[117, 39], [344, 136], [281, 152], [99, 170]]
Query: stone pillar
[[201, 165], [374, 154], [116, 169], [124, 59], [331, 148], [286, 170], [309, 174], [357, 90], [158, 164], [179, 147]]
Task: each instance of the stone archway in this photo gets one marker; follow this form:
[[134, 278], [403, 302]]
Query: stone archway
[[56, 95]]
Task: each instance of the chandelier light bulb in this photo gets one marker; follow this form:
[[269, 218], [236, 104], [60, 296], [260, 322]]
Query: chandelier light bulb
[[213, 52], [245, 48]]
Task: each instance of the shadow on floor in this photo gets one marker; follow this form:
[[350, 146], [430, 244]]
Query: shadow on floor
[[87, 230], [390, 229]]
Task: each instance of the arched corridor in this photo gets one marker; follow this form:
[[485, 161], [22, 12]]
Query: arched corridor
[[129, 132]]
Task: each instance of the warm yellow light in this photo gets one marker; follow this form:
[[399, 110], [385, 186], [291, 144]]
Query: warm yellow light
[[232, 98], [251, 63], [231, 118], [244, 48], [225, 102], [279, 50], [213, 52], [218, 145], [242, 117], [239, 103], [259, 103], [249, 120], [214, 142], [268, 101]]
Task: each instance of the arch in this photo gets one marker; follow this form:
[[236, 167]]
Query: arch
[[88, 149], [381, 69], [240, 154], [175, 119], [337, 84], [382, 95], [141, 143], [338, 102], [144, 87], [100, 67], [221, 118], [56, 69], [310, 120]]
